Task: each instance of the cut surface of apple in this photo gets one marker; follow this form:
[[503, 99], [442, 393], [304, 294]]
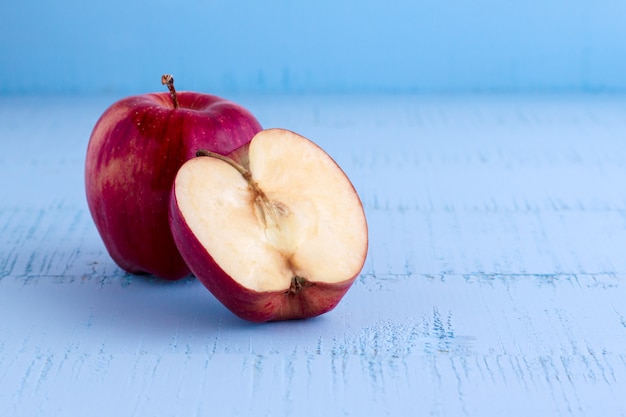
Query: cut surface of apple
[[287, 222]]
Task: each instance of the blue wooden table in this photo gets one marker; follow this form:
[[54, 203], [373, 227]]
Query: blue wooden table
[[495, 283]]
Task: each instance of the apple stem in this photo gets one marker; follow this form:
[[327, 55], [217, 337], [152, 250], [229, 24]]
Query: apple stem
[[168, 80]]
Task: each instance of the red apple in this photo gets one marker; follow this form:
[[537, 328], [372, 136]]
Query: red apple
[[275, 231], [135, 150]]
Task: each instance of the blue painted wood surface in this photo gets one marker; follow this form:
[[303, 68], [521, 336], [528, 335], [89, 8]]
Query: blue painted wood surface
[[495, 283]]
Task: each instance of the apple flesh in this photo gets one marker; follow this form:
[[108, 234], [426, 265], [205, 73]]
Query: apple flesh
[[276, 232], [133, 155]]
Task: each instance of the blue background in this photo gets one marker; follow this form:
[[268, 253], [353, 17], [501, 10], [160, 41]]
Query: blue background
[[496, 278], [287, 46]]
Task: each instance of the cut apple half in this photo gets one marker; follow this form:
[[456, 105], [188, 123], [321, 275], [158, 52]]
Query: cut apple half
[[275, 231]]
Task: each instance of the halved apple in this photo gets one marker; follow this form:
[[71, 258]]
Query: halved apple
[[275, 231]]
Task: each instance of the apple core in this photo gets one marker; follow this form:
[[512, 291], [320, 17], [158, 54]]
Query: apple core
[[271, 214]]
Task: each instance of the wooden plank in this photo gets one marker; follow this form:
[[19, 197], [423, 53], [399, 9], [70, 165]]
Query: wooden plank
[[494, 284]]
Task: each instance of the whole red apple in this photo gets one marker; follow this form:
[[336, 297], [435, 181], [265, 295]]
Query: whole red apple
[[134, 153], [275, 232]]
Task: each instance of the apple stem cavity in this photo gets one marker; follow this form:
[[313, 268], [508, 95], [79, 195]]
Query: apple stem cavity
[[240, 168], [265, 208], [269, 212], [168, 80]]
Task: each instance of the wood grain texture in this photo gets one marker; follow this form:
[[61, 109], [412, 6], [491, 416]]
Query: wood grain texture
[[494, 285]]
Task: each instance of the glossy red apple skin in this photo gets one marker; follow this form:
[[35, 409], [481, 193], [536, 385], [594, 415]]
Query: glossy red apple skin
[[245, 303], [134, 152]]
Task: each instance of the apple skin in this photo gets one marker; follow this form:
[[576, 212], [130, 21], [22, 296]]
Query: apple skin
[[245, 303], [134, 152]]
